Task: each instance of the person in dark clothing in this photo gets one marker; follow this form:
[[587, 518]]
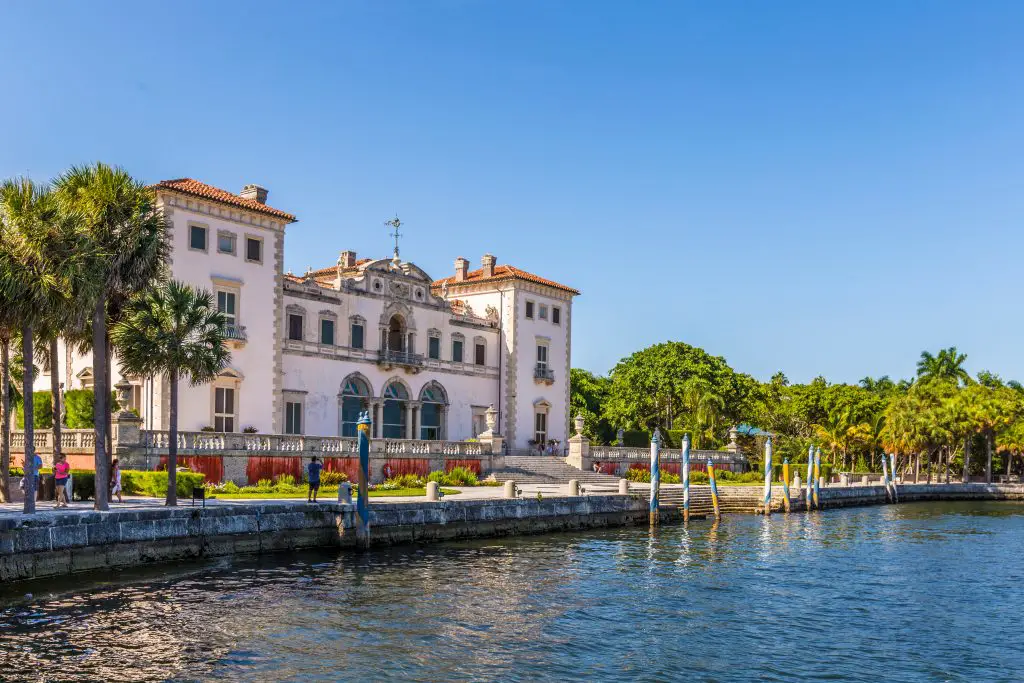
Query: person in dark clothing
[[313, 471]]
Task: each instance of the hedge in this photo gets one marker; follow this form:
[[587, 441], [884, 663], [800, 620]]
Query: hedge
[[79, 407], [133, 482]]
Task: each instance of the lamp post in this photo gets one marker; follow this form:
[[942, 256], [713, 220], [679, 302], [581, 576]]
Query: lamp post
[[363, 502]]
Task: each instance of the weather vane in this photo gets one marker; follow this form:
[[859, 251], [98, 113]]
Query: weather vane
[[396, 224]]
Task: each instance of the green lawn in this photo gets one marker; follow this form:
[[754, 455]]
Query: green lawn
[[326, 494]]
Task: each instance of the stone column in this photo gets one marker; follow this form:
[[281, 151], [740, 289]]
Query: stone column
[[579, 448], [410, 417]]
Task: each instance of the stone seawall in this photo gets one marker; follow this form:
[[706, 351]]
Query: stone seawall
[[846, 496], [42, 545]]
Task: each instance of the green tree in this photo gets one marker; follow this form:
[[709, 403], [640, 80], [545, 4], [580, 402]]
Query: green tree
[[172, 330], [947, 366], [129, 245], [40, 274], [588, 394]]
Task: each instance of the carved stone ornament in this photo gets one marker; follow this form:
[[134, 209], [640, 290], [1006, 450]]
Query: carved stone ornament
[[491, 313]]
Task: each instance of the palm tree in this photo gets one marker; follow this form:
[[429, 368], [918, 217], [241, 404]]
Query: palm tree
[[40, 275], [128, 234], [705, 406], [172, 330], [947, 365], [1011, 441]]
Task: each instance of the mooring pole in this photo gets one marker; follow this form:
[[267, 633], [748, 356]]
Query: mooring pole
[[810, 477], [655, 475], [785, 483], [892, 468], [684, 471], [714, 487], [817, 477], [885, 478], [768, 476], [363, 501]]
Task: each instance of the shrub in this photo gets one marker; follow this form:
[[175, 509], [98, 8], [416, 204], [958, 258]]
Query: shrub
[[332, 478], [78, 404], [461, 476], [405, 481], [250, 430], [285, 480], [42, 416], [669, 478], [154, 484], [638, 475], [698, 477], [636, 438]]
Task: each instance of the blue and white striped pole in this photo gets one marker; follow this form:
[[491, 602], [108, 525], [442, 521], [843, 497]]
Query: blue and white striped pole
[[655, 475], [810, 477], [684, 471], [817, 476], [892, 468], [785, 484], [363, 502], [885, 477], [768, 476]]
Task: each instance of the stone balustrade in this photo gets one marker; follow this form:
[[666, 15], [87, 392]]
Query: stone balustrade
[[237, 444], [625, 453], [70, 440]]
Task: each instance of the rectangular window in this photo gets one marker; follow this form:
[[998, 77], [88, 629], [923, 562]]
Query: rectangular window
[[224, 409], [197, 237], [481, 353], [542, 356], [556, 315], [295, 326], [540, 428], [253, 250], [327, 332], [434, 347], [292, 417], [529, 310], [357, 336], [457, 350], [226, 242], [542, 313], [226, 305]]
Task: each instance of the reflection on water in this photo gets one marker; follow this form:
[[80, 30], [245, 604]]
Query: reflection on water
[[915, 592]]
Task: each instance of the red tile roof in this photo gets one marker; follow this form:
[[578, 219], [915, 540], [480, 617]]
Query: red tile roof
[[197, 189], [503, 273]]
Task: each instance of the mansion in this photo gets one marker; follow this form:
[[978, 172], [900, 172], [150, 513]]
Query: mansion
[[427, 358]]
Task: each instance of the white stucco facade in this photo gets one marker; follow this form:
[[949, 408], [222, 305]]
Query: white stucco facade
[[425, 358]]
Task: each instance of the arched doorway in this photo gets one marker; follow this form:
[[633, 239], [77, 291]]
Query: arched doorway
[[396, 333], [433, 411], [396, 402], [355, 395]]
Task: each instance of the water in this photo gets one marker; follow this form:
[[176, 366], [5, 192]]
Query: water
[[923, 592]]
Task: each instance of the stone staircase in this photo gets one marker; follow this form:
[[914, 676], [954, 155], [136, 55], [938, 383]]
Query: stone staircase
[[546, 469]]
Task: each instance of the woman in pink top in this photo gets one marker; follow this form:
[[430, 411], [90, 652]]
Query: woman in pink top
[[61, 472]]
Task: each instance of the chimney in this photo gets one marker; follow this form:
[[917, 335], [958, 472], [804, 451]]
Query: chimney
[[461, 269], [254, 192], [347, 259], [488, 262]]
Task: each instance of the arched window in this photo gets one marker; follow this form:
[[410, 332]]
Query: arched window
[[434, 403], [355, 394], [396, 400]]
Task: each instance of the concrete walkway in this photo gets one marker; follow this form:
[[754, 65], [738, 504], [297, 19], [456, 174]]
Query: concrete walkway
[[143, 503]]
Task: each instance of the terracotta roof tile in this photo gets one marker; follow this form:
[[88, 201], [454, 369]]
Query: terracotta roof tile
[[198, 189], [503, 273]]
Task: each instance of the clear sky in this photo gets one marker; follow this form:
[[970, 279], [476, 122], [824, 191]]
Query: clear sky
[[818, 187]]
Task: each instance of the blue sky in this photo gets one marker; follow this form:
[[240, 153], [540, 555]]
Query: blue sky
[[820, 187]]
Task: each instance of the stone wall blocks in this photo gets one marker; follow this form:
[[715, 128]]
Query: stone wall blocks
[[69, 536], [102, 533], [32, 540]]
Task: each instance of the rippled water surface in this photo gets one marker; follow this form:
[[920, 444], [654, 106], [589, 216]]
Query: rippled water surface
[[924, 592]]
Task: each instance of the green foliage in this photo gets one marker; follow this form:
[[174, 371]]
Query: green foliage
[[155, 483], [588, 394], [636, 438], [458, 476], [638, 475], [79, 407], [42, 415], [332, 478]]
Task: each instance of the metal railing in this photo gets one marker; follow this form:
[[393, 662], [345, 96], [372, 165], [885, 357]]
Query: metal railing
[[236, 332], [400, 357], [542, 371]]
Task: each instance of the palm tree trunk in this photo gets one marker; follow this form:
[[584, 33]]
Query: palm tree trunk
[[110, 409], [928, 468], [917, 468], [5, 420], [100, 409], [967, 459], [988, 455], [948, 456], [172, 446], [27, 410], [1009, 461], [55, 402]]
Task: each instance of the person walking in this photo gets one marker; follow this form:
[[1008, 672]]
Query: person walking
[[61, 472], [313, 472], [115, 480]]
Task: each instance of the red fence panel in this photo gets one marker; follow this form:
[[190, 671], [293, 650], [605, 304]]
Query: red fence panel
[[271, 467], [210, 465], [350, 466], [471, 465], [416, 466]]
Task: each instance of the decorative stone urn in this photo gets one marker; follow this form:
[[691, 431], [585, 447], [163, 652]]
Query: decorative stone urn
[[579, 421], [491, 418]]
